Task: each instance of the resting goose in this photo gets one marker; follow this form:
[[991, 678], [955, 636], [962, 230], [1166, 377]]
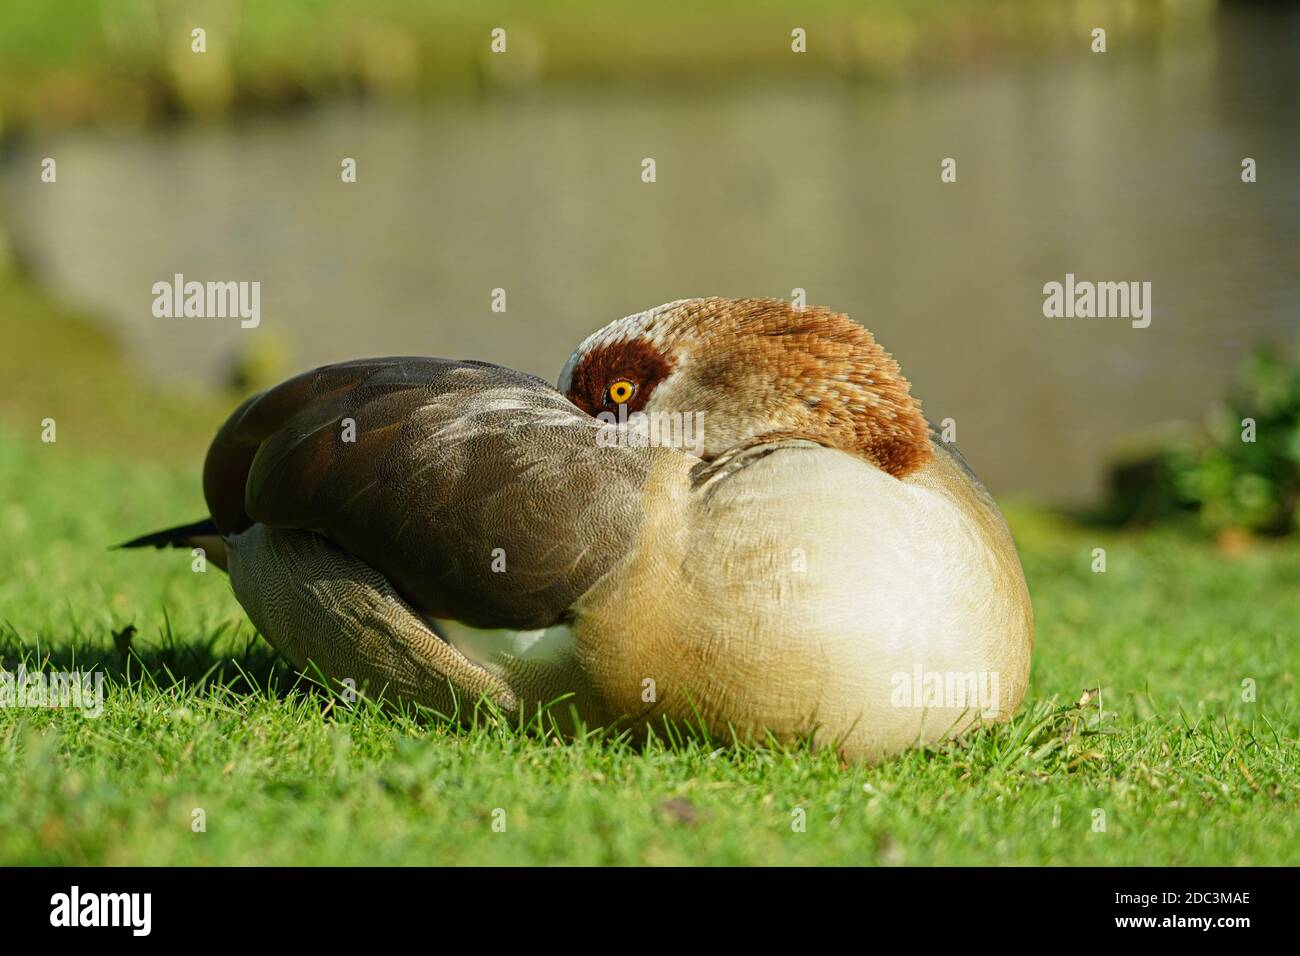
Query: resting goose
[[818, 565]]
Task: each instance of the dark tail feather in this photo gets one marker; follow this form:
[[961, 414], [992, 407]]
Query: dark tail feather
[[179, 537]]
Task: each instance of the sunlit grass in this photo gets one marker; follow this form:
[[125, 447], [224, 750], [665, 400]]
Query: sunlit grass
[[200, 715]]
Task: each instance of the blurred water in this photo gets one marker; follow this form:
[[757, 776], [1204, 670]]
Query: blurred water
[[1109, 167]]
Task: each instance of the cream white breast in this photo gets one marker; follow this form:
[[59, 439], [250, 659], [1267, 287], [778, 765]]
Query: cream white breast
[[808, 593]]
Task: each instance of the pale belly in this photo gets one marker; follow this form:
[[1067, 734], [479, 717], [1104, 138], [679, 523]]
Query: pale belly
[[484, 645], [812, 594]]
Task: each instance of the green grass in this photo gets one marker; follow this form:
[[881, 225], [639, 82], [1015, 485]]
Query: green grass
[[199, 714]]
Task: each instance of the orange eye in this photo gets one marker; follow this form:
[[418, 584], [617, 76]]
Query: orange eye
[[619, 392]]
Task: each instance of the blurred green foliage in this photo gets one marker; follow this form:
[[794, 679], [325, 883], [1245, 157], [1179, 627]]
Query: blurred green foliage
[[125, 63], [1234, 481], [1241, 472]]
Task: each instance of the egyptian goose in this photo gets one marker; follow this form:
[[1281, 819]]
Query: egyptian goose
[[818, 565]]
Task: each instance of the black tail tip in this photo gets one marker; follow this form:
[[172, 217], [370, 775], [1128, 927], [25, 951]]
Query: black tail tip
[[177, 537]]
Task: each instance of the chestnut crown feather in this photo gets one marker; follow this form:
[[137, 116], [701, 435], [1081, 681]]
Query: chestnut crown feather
[[759, 369]]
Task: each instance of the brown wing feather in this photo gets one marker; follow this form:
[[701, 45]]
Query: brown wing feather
[[451, 461]]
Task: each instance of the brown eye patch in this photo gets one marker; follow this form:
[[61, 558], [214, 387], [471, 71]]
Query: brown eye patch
[[599, 373]]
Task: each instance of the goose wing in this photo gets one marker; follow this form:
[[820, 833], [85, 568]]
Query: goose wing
[[480, 492]]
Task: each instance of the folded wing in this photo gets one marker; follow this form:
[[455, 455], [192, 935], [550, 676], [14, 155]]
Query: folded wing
[[480, 492]]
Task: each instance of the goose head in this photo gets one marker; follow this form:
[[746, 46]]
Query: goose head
[[759, 370]]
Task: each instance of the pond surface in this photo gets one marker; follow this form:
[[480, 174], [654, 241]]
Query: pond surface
[[1108, 167]]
